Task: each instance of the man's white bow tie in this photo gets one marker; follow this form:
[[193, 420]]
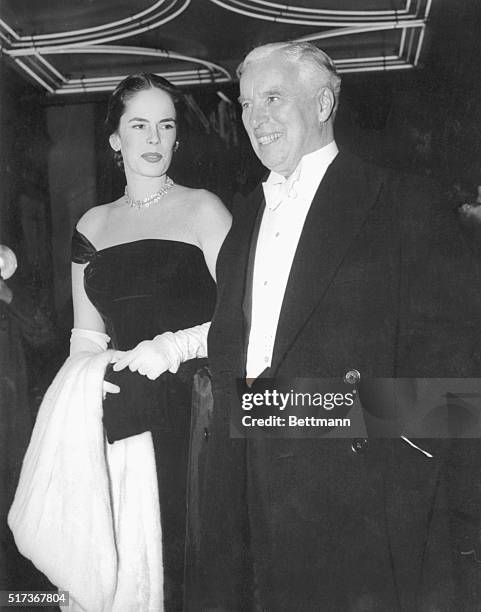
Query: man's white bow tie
[[279, 191]]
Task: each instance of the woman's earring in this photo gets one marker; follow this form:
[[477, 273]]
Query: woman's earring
[[176, 146], [114, 142]]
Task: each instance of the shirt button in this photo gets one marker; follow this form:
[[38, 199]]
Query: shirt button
[[266, 359], [278, 234], [265, 283], [359, 445]]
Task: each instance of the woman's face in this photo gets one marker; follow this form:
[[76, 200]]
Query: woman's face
[[147, 133]]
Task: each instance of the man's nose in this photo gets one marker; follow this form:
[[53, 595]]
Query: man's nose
[[259, 115]]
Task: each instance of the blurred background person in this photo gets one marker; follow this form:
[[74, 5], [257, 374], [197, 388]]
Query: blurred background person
[[23, 325]]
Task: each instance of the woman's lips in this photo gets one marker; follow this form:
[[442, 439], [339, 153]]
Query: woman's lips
[[153, 158]]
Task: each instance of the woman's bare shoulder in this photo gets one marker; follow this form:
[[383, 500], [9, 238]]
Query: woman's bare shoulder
[[203, 202], [211, 218], [94, 220]]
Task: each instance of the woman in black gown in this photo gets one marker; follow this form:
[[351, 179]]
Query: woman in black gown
[[144, 265]]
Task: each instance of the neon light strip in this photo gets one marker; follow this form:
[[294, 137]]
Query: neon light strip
[[428, 9], [276, 9], [386, 68], [420, 44], [347, 31], [410, 47], [314, 11], [117, 79], [280, 16], [361, 60], [34, 75], [402, 43], [52, 69], [119, 50], [207, 73], [90, 36], [360, 30], [99, 88], [5, 38], [112, 24], [203, 72], [375, 25], [280, 19], [223, 97], [6, 27]]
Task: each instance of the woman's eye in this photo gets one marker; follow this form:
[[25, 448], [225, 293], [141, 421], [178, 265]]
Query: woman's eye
[[168, 126], [138, 126]]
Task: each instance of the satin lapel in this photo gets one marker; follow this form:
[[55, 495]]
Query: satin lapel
[[337, 213]]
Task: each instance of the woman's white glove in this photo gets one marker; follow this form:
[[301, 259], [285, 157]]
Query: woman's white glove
[[164, 352], [89, 341]]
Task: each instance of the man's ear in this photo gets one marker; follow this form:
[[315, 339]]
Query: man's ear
[[114, 141], [327, 102]]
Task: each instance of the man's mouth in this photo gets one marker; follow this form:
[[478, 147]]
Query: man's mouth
[[268, 138], [152, 157]]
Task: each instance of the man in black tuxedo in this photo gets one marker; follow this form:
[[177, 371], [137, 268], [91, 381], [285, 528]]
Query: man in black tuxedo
[[333, 265]]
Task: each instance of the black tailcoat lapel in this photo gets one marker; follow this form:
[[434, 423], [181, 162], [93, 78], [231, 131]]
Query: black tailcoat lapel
[[336, 215]]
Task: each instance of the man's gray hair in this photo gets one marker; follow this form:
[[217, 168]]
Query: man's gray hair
[[312, 60]]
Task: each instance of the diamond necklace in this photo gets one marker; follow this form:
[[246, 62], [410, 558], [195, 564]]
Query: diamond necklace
[[151, 199]]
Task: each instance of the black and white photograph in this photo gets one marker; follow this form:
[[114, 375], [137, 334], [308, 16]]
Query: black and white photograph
[[240, 305]]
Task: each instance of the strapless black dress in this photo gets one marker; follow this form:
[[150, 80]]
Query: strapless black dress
[[142, 289]]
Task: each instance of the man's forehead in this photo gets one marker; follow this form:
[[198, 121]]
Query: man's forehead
[[264, 76]]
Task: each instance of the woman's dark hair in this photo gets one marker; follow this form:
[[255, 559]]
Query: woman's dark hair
[[127, 89]]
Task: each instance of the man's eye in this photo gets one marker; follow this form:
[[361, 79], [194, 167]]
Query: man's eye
[[271, 99], [245, 105], [138, 126]]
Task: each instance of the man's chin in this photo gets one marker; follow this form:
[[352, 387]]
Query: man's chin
[[272, 162]]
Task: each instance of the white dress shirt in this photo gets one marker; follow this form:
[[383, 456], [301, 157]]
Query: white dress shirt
[[287, 204]]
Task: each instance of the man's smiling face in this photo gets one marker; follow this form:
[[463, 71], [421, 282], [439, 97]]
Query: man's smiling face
[[280, 112]]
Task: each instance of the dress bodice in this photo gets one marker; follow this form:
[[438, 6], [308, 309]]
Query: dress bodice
[[146, 287]]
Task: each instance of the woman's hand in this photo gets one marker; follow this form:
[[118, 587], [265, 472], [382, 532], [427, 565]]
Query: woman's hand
[[150, 358], [165, 352]]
